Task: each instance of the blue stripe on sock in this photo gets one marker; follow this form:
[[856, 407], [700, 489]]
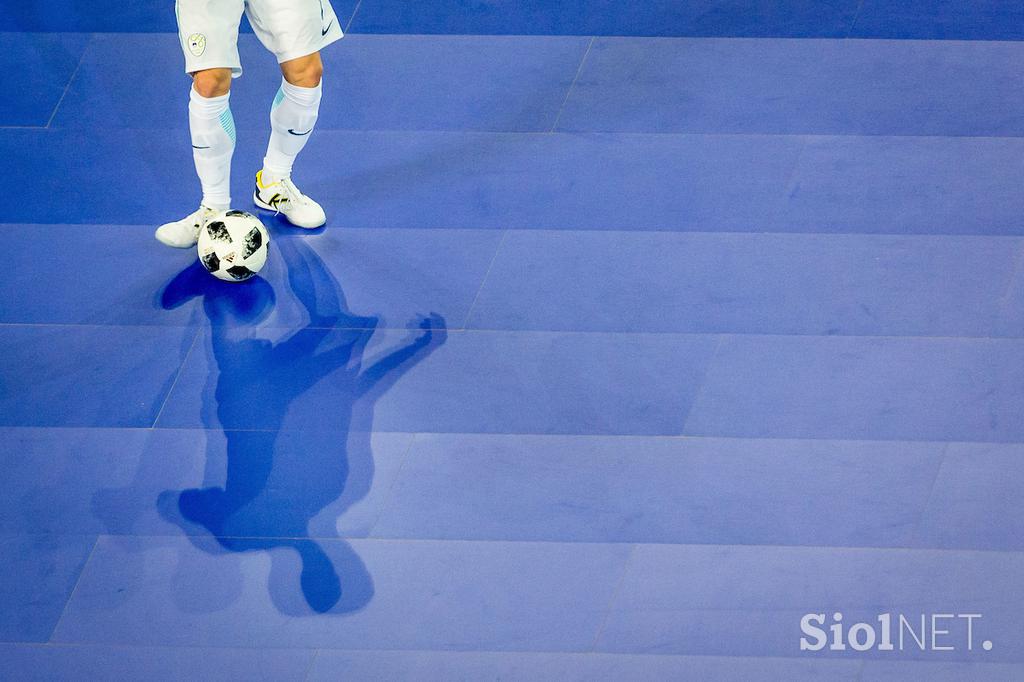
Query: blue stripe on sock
[[227, 121]]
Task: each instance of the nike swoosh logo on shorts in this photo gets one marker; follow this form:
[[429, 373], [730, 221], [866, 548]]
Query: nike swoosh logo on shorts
[[195, 147], [324, 32], [300, 134]]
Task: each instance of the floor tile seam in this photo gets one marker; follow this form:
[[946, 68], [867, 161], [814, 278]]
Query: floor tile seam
[[71, 80], [698, 335], [572, 85], [9, 535], [905, 546], [97, 325], [915, 534], [456, 651], [521, 331], [74, 590], [780, 208], [483, 281], [619, 231], [705, 375], [796, 548], [201, 330], [1017, 43], [533, 435], [595, 133], [177, 377], [725, 335], [323, 128], [311, 665], [856, 17], [352, 18], [613, 598], [967, 42], [579, 653], [389, 496], [1015, 276], [736, 333]]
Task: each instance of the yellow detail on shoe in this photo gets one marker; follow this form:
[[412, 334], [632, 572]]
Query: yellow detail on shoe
[[259, 181]]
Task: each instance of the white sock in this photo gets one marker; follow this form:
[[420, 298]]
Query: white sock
[[292, 118], [213, 143]]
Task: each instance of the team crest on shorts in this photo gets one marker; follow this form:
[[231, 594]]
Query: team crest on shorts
[[197, 44]]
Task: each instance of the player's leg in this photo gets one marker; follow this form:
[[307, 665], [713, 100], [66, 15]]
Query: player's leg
[[293, 114], [295, 33], [292, 118], [213, 135], [209, 38]]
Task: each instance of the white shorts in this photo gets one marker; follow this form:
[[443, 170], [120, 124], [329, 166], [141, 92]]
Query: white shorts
[[208, 30]]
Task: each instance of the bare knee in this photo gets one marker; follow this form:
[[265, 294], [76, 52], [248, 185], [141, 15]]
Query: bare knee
[[304, 72], [212, 82]]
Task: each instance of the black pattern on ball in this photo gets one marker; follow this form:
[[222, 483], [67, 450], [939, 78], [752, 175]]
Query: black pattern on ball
[[218, 231], [211, 262], [240, 272], [253, 241]]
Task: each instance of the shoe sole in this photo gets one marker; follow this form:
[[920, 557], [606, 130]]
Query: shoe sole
[[174, 245], [267, 207]]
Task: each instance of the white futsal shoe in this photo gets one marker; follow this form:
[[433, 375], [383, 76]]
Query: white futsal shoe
[[285, 198], [181, 234]]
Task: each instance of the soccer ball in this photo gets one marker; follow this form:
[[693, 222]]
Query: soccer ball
[[233, 246]]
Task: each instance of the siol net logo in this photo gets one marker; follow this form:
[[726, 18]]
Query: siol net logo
[[892, 632]]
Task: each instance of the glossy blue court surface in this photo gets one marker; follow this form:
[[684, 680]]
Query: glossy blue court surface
[[638, 331]]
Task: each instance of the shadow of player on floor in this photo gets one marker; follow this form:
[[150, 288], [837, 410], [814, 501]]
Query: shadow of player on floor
[[276, 481]]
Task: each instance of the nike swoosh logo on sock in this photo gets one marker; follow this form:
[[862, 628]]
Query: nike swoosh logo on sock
[[195, 147], [324, 32], [300, 134]]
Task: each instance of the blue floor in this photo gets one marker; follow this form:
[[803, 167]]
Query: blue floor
[[638, 331]]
